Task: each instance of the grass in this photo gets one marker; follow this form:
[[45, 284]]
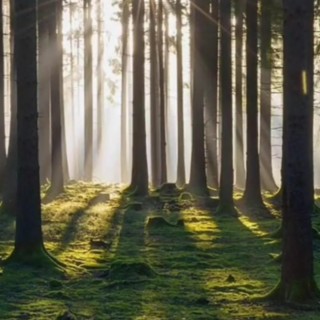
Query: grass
[[118, 267]]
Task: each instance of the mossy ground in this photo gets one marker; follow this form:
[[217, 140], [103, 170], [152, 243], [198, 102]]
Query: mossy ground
[[207, 267]]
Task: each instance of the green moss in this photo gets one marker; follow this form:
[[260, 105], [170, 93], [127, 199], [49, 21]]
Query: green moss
[[115, 268], [130, 270]]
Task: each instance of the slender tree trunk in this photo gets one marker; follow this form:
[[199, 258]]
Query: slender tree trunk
[[198, 179], [239, 148], [44, 93], [267, 180], [154, 101], [252, 194], [10, 191], [226, 177], [28, 237], [181, 171], [88, 93], [124, 90], [211, 92], [2, 125], [139, 179], [162, 97], [55, 90], [72, 90], [100, 73], [297, 282]]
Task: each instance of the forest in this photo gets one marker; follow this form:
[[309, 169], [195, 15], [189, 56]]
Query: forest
[[158, 159]]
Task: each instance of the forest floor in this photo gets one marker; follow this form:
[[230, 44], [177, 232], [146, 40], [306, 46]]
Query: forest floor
[[164, 257]]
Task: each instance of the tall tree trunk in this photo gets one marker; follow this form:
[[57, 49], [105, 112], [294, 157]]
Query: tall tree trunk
[[100, 73], [72, 90], [297, 282], [162, 97], [211, 92], [10, 179], [2, 125], [226, 178], [198, 179], [55, 89], [154, 101], [181, 171], [239, 148], [88, 93], [28, 239], [139, 179], [124, 90], [44, 93], [267, 180], [252, 194]]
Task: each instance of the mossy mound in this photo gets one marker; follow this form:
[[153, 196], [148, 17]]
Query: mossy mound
[[158, 222], [168, 188], [132, 270]]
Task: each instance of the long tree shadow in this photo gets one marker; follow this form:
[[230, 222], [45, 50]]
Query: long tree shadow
[[179, 292], [129, 270]]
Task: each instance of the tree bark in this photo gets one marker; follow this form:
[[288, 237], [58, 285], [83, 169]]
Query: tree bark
[[2, 123], [124, 90], [297, 282], [239, 148], [226, 178], [88, 93], [139, 179], [55, 99], [266, 174], [181, 171], [252, 194], [198, 179]]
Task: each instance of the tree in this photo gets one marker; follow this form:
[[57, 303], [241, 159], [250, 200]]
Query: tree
[[239, 152], [181, 171], [10, 178], [124, 88], [56, 107], [44, 92], [29, 246], [267, 180], [100, 72], [2, 127], [226, 177], [297, 274], [139, 179], [198, 179], [252, 194], [88, 93], [154, 101], [162, 95], [211, 90]]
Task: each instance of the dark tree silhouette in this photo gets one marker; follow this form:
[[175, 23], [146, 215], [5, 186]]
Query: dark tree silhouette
[[29, 246], [226, 177], [252, 194], [181, 171], [297, 274], [139, 179], [198, 179], [55, 99], [239, 148]]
